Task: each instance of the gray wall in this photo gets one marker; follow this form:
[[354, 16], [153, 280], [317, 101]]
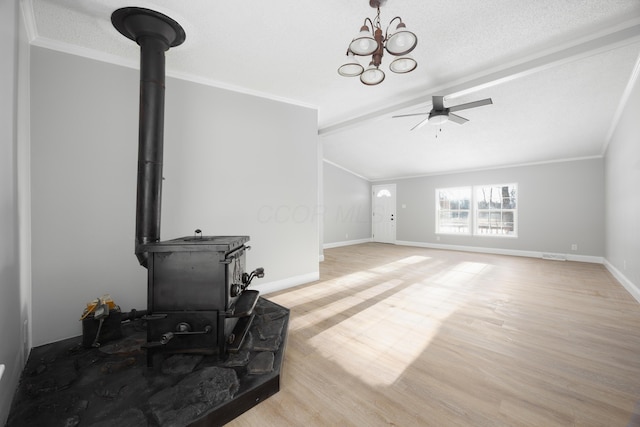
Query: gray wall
[[234, 164], [347, 206], [559, 204], [11, 330], [622, 177]]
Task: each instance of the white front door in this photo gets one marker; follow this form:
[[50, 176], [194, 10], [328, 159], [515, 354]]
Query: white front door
[[384, 213]]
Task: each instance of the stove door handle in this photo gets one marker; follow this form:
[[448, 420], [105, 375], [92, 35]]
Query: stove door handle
[[207, 330], [154, 316], [168, 336]]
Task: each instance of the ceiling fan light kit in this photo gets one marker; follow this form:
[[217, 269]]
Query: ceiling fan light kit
[[438, 119], [371, 41]]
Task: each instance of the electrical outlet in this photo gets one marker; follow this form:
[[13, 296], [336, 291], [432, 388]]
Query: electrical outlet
[[574, 247], [346, 236], [438, 238], [624, 264]]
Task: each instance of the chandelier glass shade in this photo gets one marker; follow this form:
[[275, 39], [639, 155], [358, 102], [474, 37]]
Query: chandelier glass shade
[[372, 75], [402, 41], [371, 41], [363, 44], [351, 68], [402, 65]]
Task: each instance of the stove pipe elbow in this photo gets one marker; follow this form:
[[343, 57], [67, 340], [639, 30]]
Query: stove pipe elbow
[[143, 257]]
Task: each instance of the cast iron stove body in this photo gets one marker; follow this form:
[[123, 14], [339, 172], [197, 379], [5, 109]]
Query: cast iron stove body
[[197, 296]]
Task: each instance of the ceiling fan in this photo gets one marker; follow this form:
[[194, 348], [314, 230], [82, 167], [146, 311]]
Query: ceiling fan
[[439, 114]]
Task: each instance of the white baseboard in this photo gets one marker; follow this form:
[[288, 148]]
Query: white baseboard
[[633, 289], [290, 282], [497, 251], [585, 258], [345, 243]]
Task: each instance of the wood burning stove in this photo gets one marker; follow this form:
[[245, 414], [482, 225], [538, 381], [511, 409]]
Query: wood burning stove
[[197, 296]]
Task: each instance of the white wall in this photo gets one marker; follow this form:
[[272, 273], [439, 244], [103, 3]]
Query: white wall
[[234, 164], [347, 206], [11, 330], [559, 204], [622, 177]]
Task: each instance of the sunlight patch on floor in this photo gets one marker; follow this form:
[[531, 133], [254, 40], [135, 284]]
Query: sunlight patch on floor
[[304, 294], [401, 263], [376, 332], [342, 306], [471, 267], [379, 343], [458, 276]]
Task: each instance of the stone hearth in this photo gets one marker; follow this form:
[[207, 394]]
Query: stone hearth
[[65, 384]]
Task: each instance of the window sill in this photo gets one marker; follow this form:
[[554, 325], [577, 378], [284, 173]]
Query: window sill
[[492, 236]]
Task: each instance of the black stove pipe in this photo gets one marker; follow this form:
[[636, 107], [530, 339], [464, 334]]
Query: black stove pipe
[[155, 33]]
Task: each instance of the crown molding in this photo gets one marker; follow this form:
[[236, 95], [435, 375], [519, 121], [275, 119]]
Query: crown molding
[[489, 168], [71, 49], [29, 19]]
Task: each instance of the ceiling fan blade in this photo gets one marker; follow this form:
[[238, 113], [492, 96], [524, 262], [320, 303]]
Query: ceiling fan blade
[[471, 105], [419, 125], [457, 119], [409, 115], [438, 102]]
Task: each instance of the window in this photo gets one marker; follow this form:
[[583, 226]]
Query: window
[[495, 210], [453, 206], [486, 210]]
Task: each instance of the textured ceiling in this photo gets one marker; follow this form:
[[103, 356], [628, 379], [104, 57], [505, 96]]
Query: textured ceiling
[[556, 71]]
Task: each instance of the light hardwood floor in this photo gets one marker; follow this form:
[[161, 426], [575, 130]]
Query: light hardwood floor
[[404, 336]]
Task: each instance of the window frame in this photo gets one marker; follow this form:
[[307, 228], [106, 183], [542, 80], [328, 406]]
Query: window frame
[[474, 211], [469, 211], [477, 210]]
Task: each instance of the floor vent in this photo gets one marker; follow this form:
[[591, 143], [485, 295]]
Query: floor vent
[[555, 257]]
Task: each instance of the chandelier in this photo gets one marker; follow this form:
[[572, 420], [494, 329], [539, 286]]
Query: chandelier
[[371, 41]]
